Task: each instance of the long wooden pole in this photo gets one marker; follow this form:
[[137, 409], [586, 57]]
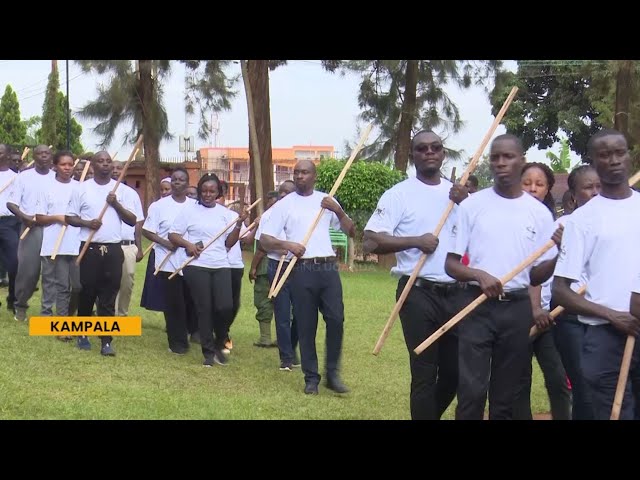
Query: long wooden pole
[[622, 379], [56, 248], [231, 224], [423, 258], [333, 191], [469, 308], [137, 147]]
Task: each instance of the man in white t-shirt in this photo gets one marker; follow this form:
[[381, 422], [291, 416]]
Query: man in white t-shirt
[[601, 240], [315, 281], [498, 227], [9, 224], [131, 242], [22, 203], [101, 266], [286, 327], [401, 223]]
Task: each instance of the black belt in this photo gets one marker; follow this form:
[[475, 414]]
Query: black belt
[[436, 287], [317, 260], [512, 295], [127, 242]]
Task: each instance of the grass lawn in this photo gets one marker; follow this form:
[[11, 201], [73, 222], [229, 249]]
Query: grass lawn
[[43, 378]]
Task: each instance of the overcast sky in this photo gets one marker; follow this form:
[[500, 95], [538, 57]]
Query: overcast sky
[[308, 106]]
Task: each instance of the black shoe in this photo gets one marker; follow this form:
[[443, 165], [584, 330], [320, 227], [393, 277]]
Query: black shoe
[[208, 362], [107, 350], [311, 389], [336, 385]]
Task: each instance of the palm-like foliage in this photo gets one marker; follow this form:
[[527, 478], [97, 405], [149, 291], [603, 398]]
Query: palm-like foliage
[[415, 90], [561, 163], [133, 95], [119, 101]]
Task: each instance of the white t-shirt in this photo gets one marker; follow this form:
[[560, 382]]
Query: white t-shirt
[[54, 201], [601, 240], [546, 286], [295, 214], [499, 233], [160, 217], [27, 187], [87, 201], [281, 236], [133, 204], [5, 178], [199, 223], [410, 209], [235, 252]]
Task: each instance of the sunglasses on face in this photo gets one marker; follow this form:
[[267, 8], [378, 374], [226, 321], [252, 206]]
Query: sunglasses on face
[[433, 147]]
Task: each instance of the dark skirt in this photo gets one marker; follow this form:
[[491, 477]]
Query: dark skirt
[[153, 291]]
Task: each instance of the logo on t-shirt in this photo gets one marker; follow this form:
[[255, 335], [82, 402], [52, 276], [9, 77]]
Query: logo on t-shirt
[[454, 230], [563, 251], [380, 212], [531, 233]]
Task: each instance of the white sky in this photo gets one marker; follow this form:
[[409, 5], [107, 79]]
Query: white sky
[[308, 106]]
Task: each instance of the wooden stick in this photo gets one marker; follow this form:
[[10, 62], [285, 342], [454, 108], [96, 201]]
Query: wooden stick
[[453, 175], [469, 308], [56, 248], [249, 228], [87, 242], [423, 258], [277, 276], [622, 379], [148, 249], [208, 244], [556, 312], [333, 191]]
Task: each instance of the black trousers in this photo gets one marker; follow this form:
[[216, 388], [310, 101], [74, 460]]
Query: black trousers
[[493, 351], [434, 373], [555, 380], [601, 361], [211, 293], [100, 275], [236, 288], [175, 314], [9, 238], [318, 287]]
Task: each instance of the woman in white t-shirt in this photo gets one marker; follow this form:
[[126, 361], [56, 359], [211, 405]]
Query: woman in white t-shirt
[[538, 180], [51, 207], [172, 295], [208, 276]]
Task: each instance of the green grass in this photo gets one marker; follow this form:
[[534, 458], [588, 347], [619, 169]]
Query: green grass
[[43, 378]]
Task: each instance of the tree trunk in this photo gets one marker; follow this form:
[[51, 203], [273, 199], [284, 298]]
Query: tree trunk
[[258, 71], [407, 117], [151, 138], [623, 97]]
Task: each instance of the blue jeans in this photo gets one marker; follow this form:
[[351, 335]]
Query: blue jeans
[[286, 328], [568, 335]]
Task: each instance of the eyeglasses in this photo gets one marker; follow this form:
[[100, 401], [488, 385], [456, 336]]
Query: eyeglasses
[[426, 147]]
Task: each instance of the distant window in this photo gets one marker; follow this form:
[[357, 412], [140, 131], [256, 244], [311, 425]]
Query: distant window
[[137, 183]]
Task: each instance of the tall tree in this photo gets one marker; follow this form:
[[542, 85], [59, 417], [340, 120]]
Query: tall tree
[[12, 130], [574, 97], [134, 96], [402, 96], [60, 141], [50, 109]]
